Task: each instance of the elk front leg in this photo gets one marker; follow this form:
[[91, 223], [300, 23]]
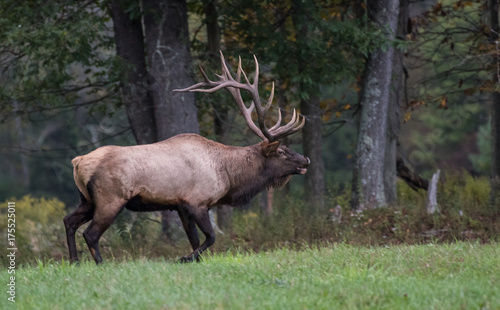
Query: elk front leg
[[190, 228], [202, 219]]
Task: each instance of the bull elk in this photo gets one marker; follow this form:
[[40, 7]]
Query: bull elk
[[187, 173]]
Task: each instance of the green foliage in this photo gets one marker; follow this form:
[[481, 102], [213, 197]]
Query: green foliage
[[332, 50], [452, 41], [51, 50], [58, 86], [452, 64], [449, 276], [443, 137], [39, 231], [482, 161], [451, 75]]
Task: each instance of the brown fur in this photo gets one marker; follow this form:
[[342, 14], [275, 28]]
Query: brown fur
[[187, 173]]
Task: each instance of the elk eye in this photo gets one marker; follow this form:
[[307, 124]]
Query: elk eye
[[280, 152]]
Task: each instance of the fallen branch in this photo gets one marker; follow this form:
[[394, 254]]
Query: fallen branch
[[412, 179]]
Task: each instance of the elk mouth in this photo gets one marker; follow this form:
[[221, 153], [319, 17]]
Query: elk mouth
[[303, 170]]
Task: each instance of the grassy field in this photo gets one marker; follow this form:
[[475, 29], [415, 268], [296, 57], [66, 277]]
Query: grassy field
[[450, 276]]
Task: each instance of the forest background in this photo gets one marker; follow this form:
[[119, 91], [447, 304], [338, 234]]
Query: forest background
[[392, 91]]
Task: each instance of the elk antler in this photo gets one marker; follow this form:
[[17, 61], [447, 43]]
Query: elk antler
[[233, 86]]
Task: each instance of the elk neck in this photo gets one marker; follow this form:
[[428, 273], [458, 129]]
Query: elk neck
[[247, 173]]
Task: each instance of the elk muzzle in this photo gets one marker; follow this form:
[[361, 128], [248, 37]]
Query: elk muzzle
[[303, 169]]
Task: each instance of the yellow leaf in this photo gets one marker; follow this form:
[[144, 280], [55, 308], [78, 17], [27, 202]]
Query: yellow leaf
[[407, 117], [443, 103]]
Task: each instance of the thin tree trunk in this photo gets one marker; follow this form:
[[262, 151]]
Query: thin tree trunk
[[282, 104], [372, 137], [359, 9], [394, 111], [495, 152], [221, 112], [311, 133], [25, 168], [313, 148], [266, 201], [213, 28], [495, 106], [129, 42]]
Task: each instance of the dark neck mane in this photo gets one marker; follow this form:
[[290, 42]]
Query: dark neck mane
[[249, 175]]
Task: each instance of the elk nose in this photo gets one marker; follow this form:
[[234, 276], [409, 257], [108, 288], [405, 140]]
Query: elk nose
[[308, 160]]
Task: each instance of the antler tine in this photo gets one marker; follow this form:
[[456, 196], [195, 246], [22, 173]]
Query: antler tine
[[195, 88], [291, 124], [238, 72], [225, 71], [278, 134], [256, 75], [234, 86], [234, 89], [261, 110], [247, 112], [205, 77], [278, 123], [207, 83]]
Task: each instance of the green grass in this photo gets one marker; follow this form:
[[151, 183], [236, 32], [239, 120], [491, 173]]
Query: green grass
[[445, 276]]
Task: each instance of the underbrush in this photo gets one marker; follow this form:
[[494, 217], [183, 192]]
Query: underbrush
[[464, 214]]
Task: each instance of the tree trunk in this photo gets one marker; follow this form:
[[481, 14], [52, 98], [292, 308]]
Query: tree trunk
[[169, 58], [225, 212], [21, 139], [495, 106], [266, 201], [313, 148], [155, 64], [213, 29], [221, 112], [394, 110], [369, 191], [129, 42], [495, 152], [311, 133]]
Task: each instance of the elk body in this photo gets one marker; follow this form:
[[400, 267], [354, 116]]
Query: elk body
[[187, 173]]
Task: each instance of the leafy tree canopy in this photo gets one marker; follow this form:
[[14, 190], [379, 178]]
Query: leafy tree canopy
[[52, 50]]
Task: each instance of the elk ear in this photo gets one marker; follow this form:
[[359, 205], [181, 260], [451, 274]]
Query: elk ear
[[269, 148]]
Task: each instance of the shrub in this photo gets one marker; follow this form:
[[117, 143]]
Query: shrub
[[39, 230]]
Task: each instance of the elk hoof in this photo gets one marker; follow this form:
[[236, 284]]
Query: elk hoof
[[186, 259]]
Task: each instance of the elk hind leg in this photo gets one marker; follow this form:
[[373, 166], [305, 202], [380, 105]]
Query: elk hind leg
[[103, 218], [73, 221]]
